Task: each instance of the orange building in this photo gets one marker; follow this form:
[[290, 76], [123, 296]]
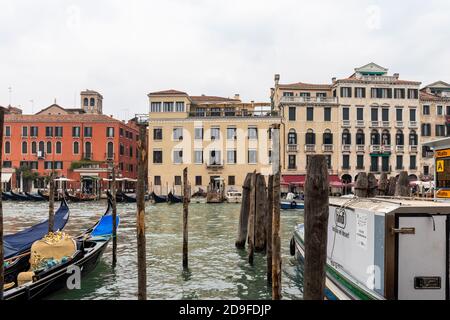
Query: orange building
[[76, 144]]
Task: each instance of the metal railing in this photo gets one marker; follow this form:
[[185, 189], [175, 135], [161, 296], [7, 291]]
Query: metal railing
[[327, 148], [360, 148], [292, 148], [233, 114], [346, 148], [310, 148], [288, 99]]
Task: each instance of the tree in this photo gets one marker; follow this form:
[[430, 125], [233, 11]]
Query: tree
[[28, 176]]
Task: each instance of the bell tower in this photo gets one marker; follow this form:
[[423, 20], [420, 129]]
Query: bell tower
[[91, 102]]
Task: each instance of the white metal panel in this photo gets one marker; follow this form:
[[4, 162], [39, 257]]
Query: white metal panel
[[422, 254]]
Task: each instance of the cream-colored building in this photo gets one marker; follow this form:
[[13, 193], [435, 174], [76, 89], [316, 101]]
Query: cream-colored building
[[435, 112], [214, 137], [367, 122]]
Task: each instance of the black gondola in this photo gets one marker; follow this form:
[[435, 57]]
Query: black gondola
[[119, 199], [158, 199], [78, 199], [19, 196], [126, 198], [7, 196], [173, 198], [90, 247], [34, 197], [18, 245]]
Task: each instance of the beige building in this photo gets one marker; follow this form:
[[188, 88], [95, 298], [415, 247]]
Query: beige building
[[214, 137], [435, 112], [366, 122]]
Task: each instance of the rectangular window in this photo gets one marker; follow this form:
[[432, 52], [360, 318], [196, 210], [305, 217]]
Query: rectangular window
[[440, 130], [346, 92], [34, 131], [155, 107], [252, 157], [327, 114], [288, 94], [399, 93], [178, 180], [292, 162], [215, 133], [426, 129], [253, 133], [360, 162], [231, 180], [426, 110], [413, 94], [374, 164], [231, 134], [399, 165], [157, 180], [7, 164], [440, 110], [412, 163], [49, 131], [58, 165], [7, 131], [198, 180], [309, 114], [157, 134], [178, 156], [374, 114], [76, 132], [215, 157], [360, 92], [24, 131], [198, 156], [385, 114], [48, 165], [179, 107], [168, 107], [346, 114], [346, 162], [88, 132], [58, 132], [360, 114], [231, 156], [198, 133], [412, 115], [177, 134], [399, 114], [157, 156], [292, 113], [426, 170], [121, 132], [110, 132]]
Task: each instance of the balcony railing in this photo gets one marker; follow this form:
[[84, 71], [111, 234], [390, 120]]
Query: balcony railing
[[323, 100], [400, 149], [428, 154], [214, 164], [87, 156], [374, 124], [360, 148], [375, 148], [292, 148], [399, 124], [346, 148], [327, 148], [109, 156], [413, 149], [233, 114], [360, 123], [346, 123], [413, 125], [386, 149], [385, 124], [310, 148]]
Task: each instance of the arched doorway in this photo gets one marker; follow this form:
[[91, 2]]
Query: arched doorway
[[347, 181]]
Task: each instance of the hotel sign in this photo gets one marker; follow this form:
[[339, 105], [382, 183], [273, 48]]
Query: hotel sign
[[443, 153], [443, 173]]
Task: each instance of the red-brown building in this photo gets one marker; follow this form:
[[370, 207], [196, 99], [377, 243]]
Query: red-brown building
[[77, 143]]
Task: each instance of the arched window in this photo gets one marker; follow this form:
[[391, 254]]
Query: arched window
[[400, 138], [327, 137], [386, 138], [346, 138], [49, 147], [87, 150], [24, 147], [413, 138], [33, 147], [375, 138], [110, 150], [7, 147], [76, 147], [58, 147], [41, 146], [86, 102], [360, 138], [310, 137], [292, 137], [92, 102]]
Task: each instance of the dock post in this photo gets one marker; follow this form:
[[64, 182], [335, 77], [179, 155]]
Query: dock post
[[361, 185], [372, 185], [402, 189], [316, 225], [51, 205], [383, 185], [185, 217], [245, 208], [392, 183], [276, 241], [269, 217], [260, 214], [141, 243], [2, 267], [114, 215], [251, 219]]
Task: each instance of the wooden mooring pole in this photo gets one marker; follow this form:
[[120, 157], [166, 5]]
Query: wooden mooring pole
[[243, 218], [276, 241], [51, 205], [251, 220], [2, 267], [362, 185], [140, 197], [402, 189], [269, 218], [114, 215], [185, 217], [316, 224]]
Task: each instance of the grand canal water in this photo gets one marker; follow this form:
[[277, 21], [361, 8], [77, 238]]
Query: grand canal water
[[217, 270]]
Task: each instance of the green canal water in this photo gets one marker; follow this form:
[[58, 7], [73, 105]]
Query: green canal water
[[217, 270]]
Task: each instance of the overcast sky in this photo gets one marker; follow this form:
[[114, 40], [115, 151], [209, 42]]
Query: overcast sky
[[125, 49]]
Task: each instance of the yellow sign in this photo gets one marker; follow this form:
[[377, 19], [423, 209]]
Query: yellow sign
[[440, 166], [443, 194], [443, 153]]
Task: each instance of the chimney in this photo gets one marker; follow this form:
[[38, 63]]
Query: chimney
[[333, 80], [236, 96], [277, 79], [396, 75]]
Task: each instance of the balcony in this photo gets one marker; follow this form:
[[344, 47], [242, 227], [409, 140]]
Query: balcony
[[214, 165], [386, 149], [346, 124], [318, 100], [399, 124], [87, 156], [327, 148], [233, 114], [413, 149], [374, 124], [413, 125], [292, 148], [400, 149], [41, 155], [375, 148], [310, 148], [360, 148], [346, 148], [385, 124], [360, 123], [428, 154]]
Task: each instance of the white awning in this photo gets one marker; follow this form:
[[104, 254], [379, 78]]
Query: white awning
[[6, 177]]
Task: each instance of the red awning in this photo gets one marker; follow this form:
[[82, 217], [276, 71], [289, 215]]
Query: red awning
[[335, 182], [293, 180]]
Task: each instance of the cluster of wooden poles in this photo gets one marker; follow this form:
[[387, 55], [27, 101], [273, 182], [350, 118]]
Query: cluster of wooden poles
[[367, 185]]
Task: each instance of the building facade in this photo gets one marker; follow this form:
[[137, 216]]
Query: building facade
[[75, 144], [368, 122], [216, 138]]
